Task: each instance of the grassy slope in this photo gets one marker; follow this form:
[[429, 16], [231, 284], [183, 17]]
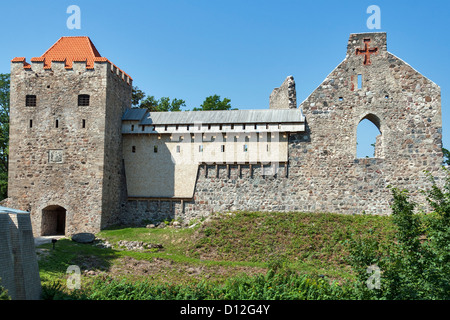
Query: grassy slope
[[243, 242]]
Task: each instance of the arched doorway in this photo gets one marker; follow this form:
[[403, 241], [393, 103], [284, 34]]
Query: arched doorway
[[53, 221]]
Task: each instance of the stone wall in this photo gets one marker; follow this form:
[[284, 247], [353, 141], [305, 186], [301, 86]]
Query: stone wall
[[118, 99], [19, 271], [323, 173], [284, 97]]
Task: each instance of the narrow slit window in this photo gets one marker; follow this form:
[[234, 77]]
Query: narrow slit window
[[30, 101], [132, 127], [83, 100], [143, 128], [57, 123], [155, 149], [359, 81], [83, 123], [222, 148], [245, 148], [200, 148], [178, 149], [31, 123], [133, 149]]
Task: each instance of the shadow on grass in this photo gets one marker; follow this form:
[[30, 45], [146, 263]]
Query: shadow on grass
[[67, 253]]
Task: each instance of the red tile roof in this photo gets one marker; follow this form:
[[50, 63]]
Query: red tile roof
[[70, 49]]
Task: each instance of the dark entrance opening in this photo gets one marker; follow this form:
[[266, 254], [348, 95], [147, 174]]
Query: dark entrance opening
[[53, 221]]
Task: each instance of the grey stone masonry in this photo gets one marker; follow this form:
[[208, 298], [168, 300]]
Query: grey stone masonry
[[284, 97], [323, 172], [19, 271]]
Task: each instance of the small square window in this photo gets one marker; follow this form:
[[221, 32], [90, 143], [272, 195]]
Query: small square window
[[133, 149], [83, 100], [155, 149], [200, 148], [31, 101]]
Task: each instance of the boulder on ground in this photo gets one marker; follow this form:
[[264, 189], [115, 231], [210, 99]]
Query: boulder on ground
[[84, 237]]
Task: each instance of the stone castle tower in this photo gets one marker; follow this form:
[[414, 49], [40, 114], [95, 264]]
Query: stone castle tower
[[65, 138]]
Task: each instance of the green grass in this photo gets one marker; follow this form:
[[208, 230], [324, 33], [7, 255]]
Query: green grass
[[225, 246], [306, 240]]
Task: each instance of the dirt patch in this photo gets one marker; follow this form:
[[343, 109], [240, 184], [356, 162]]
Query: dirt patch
[[91, 263], [167, 269]]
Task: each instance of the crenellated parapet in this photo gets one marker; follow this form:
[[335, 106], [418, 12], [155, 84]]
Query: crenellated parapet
[[39, 64]]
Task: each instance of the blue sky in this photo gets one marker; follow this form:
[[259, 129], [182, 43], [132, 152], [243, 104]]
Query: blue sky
[[241, 50]]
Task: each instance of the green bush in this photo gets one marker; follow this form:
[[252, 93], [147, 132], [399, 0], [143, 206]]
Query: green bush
[[416, 265], [4, 293], [285, 285]]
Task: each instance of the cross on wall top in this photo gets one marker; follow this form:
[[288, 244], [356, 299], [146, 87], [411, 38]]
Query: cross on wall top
[[367, 51]]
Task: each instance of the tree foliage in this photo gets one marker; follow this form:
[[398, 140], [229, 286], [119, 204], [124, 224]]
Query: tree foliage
[[214, 103], [4, 133], [446, 153], [416, 265], [140, 100]]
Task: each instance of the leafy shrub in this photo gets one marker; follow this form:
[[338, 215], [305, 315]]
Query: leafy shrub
[[4, 293], [274, 285], [54, 291], [417, 264]]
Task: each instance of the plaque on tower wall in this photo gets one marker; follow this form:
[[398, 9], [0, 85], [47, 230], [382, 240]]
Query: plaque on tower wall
[[55, 156]]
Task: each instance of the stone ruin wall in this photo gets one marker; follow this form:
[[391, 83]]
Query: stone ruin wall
[[323, 173]]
